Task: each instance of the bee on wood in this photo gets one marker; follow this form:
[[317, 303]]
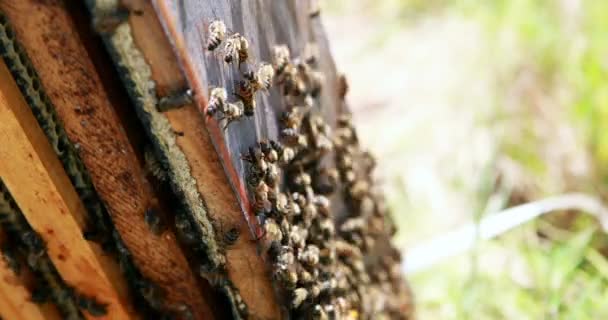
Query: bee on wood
[[236, 49], [218, 100], [286, 276], [217, 33], [323, 204], [346, 250], [262, 78], [265, 75], [153, 220], [261, 204], [272, 230], [327, 256], [281, 58], [326, 181], [318, 313], [292, 119], [299, 295], [327, 228], [359, 189], [257, 158], [272, 176], [175, 100], [282, 203], [231, 236], [302, 179], [271, 155], [291, 137], [309, 256], [353, 225], [245, 91], [185, 229], [232, 112], [292, 82], [298, 236]]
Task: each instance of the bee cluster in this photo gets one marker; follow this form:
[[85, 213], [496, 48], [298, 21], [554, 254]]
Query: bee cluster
[[236, 49], [325, 269]]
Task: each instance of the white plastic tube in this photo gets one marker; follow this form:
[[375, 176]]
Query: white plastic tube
[[421, 257]]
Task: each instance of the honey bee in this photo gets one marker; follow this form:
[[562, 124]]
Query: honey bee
[[232, 112], [185, 229], [359, 189], [272, 230], [346, 250], [236, 49], [318, 313], [245, 92], [326, 181], [292, 81], [271, 155], [262, 79], [153, 220], [257, 158], [293, 138], [282, 203], [232, 236], [309, 256], [299, 295], [175, 100], [353, 225], [217, 101], [272, 176], [261, 204], [281, 58], [217, 33], [323, 204], [286, 154], [292, 119], [298, 236], [286, 276]]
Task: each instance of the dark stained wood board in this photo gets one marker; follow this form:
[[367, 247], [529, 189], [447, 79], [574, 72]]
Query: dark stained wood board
[[264, 23]]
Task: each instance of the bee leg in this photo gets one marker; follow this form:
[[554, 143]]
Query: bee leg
[[175, 100]]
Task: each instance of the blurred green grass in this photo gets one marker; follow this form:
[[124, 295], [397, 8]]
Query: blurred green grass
[[549, 62], [564, 274]]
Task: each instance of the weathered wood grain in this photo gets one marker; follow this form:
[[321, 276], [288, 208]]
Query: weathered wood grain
[[264, 24], [36, 180], [245, 267], [68, 76]]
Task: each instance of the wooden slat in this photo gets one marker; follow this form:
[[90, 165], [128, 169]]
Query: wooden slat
[[246, 269], [69, 78], [48, 201]]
